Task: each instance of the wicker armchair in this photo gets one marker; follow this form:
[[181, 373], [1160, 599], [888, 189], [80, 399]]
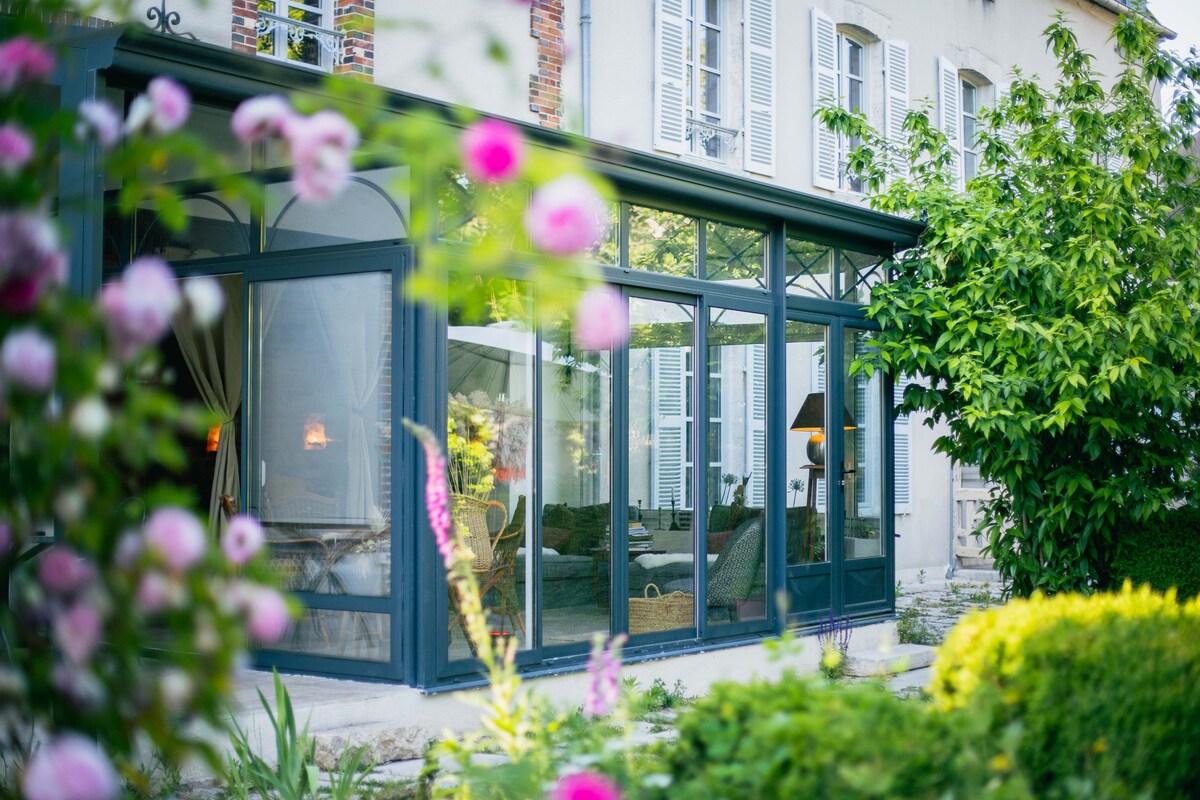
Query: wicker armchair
[[473, 513], [502, 576]]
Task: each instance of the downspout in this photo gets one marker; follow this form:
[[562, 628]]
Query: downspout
[[953, 520], [585, 67]]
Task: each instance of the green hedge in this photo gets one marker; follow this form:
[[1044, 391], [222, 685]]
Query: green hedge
[[1164, 553]]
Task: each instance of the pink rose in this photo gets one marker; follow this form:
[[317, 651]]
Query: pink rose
[[267, 613], [28, 359], [30, 260], [98, 118], [259, 117], [77, 632], [155, 592], [204, 298], [69, 768], [16, 148], [22, 60], [492, 151], [586, 786], [243, 539], [566, 216], [62, 571], [176, 536], [162, 109], [139, 306], [601, 319], [320, 147]]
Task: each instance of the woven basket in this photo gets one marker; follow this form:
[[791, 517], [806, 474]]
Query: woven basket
[[662, 612], [472, 513]]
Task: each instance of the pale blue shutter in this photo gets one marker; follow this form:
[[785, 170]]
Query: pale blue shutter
[[902, 451], [896, 95], [668, 388], [758, 424], [760, 87], [670, 77], [950, 115], [824, 92]]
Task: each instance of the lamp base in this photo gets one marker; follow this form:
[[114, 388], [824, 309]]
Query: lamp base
[[816, 448]]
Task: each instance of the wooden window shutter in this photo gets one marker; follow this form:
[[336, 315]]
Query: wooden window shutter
[[824, 92], [896, 95], [670, 77], [902, 451], [950, 115], [759, 152]]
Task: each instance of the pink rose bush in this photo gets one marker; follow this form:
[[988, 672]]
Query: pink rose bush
[[176, 537], [99, 119], [586, 786], [601, 319], [31, 259], [162, 109], [566, 216], [23, 61], [69, 768], [28, 359], [243, 539], [493, 151], [138, 308], [16, 148]]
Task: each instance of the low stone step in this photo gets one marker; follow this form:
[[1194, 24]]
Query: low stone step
[[895, 659], [382, 742]]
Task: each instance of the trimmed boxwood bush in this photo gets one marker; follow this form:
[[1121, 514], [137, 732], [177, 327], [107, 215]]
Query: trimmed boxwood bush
[[1102, 690], [1164, 553], [799, 737]]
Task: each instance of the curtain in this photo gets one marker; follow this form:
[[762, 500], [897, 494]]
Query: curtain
[[354, 313], [214, 358]]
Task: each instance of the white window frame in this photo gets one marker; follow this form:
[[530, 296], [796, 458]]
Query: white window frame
[[328, 39], [706, 130], [844, 80], [970, 153]]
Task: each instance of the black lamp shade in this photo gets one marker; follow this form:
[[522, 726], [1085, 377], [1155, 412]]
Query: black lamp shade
[[811, 416]]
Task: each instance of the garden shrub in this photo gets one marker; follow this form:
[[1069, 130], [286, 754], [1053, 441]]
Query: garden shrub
[[1102, 689], [1164, 553], [799, 738]]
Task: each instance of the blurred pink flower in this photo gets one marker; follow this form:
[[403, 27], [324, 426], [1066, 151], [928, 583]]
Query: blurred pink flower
[[16, 148], [30, 259], [98, 118], [204, 298], [22, 60], [267, 613], [586, 786], [492, 151], [154, 592], [139, 306], [28, 359], [69, 768], [162, 109], [320, 147], [176, 536], [243, 539], [566, 216], [437, 494], [601, 319], [259, 117], [604, 667], [77, 632], [61, 570]]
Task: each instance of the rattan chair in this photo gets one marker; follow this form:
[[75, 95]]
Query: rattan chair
[[503, 575]]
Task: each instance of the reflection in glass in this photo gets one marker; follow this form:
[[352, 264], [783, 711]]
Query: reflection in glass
[[805, 409], [320, 423], [576, 481], [463, 211], [373, 207], [809, 268], [737, 454], [735, 254], [359, 635], [489, 447], [660, 241], [661, 557], [214, 228], [861, 455], [860, 272]]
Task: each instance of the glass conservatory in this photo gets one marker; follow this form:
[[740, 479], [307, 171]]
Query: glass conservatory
[[721, 476]]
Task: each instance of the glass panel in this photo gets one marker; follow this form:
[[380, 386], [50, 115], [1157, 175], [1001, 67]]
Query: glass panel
[[710, 92], [373, 207], [809, 268], [712, 11], [576, 485], [855, 99], [214, 228], [854, 58], [660, 241], [458, 217], [860, 271], [737, 449], [490, 447], [861, 466], [805, 411], [210, 125], [734, 254], [968, 97], [608, 251], [710, 51], [661, 557], [341, 634], [320, 429]]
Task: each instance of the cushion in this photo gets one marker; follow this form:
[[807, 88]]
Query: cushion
[[555, 537], [717, 540]]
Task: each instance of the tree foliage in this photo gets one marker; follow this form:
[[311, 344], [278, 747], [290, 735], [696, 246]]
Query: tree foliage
[[1052, 307]]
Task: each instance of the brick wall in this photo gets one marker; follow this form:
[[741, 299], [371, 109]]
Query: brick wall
[[245, 16], [357, 19], [545, 85]]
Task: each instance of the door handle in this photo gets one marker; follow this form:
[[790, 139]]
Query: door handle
[[845, 472]]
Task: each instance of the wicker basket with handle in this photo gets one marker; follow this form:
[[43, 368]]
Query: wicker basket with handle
[[472, 513], [660, 612]]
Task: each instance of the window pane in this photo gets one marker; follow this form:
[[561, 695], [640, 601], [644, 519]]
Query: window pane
[[374, 206], [489, 450], [576, 481], [809, 268], [712, 11], [736, 580], [969, 132], [861, 454], [660, 241], [710, 49], [661, 558], [805, 412], [735, 254], [854, 58], [860, 271], [854, 98], [968, 98], [341, 634], [214, 228], [970, 165]]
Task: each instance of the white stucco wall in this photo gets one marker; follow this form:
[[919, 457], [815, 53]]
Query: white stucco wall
[[209, 21]]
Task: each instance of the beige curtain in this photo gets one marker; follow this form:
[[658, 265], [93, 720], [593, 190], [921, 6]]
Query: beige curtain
[[214, 358]]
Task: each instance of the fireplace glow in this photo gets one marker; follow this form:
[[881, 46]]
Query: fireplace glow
[[314, 432], [214, 438]]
